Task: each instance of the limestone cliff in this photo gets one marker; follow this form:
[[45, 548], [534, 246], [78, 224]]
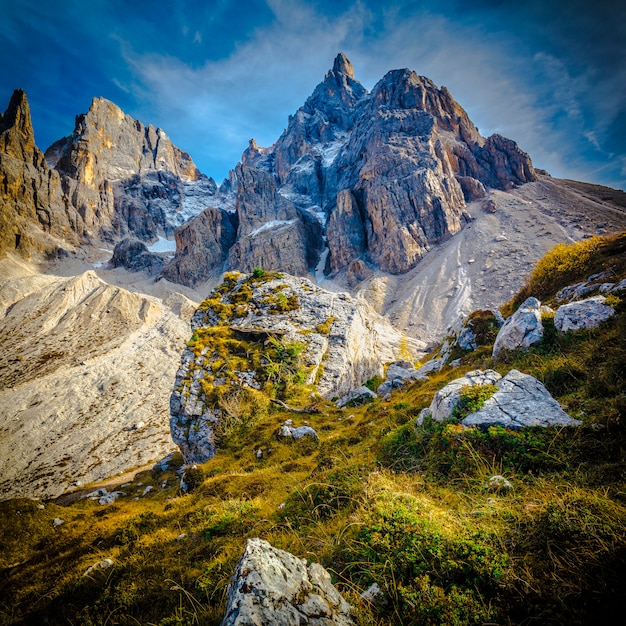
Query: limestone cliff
[[125, 177]]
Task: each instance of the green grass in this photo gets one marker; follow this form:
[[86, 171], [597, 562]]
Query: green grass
[[377, 499]]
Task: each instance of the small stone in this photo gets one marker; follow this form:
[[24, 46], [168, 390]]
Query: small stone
[[104, 564], [374, 595], [147, 490], [110, 498], [57, 521], [181, 536], [259, 454], [358, 396], [498, 483]]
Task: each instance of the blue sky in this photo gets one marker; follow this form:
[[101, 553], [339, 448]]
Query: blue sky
[[550, 75]]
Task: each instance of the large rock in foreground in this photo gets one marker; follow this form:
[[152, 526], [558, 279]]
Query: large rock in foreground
[[254, 332], [520, 401], [274, 588]]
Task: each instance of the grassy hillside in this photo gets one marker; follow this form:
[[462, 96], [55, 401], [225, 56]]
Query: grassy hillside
[[377, 499]]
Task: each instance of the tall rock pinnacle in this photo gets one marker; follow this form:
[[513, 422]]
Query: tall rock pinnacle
[[16, 130], [343, 66], [34, 217]]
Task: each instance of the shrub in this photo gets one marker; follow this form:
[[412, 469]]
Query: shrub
[[374, 382], [485, 327], [471, 399], [240, 408], [283, 363], [325, 327], [440, 576]]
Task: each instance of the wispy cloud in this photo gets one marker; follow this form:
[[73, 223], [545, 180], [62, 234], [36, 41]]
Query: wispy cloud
[[224, 103]]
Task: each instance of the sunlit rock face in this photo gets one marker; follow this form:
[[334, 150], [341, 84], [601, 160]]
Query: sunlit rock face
[[34, 215], [124, 177]]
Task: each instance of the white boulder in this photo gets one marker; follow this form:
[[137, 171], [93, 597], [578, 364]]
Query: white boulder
[[446, 399], [587, 313], [522, 329], [275, 588], [519, 402]]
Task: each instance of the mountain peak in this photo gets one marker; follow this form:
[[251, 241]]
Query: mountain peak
[[343, 65], [16, 129]]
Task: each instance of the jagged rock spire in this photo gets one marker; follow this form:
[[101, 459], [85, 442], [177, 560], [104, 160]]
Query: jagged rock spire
[[16, 129], [343, 65]]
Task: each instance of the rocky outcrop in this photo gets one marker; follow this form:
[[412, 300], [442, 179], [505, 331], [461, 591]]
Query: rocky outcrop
[[588, 313], [126, 178], [518, 401], [275, 588], [133, 255], [257, 331], [523, 329], [35, 216]]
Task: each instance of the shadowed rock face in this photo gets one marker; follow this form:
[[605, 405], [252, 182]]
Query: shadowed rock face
[[135, 256], [385, 175], [202, 246]]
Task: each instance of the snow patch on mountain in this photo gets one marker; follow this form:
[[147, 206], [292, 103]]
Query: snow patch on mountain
[[196, 196], [163, 245], [273, 224]]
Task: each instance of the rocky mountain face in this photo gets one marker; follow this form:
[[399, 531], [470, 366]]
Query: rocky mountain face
[[35, 216], [111, 178], [376, 178], [125, 177]]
